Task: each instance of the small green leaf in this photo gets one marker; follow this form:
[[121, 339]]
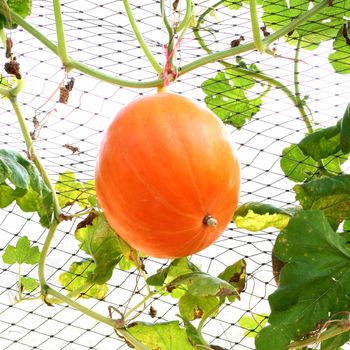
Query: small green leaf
[[7, 195], [161, 336], [255, 216], [99, 241], [68, 189], [330, 194], [15, 168], [22, 253], [253, 324], [176, 268], [130, 256], [226, 96], [193, 307], [345, 131], [340, 58], [201, 284], [30, 193], [299, 167], [78, 276], [235, 274], [321, 143], [29, 284], [314, 284]]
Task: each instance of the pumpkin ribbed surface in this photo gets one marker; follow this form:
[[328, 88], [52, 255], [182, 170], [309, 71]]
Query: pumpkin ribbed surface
[[166, 166]]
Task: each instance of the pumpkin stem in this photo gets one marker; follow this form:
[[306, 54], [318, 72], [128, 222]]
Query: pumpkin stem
[[210, 221], [161, 89]]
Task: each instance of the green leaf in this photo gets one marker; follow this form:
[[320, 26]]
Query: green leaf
[[227, 97], [68, 189], [345, 131], [100, 242], [21, 7], [314, 284], [236, 275], [255, 216], [30, 193], [175, 269], [299, 167], [192, 307], [7, 195], [79, 276], [22, 253], [161, 336], [340, 58], [202, 284], [29, 284], [321, 143], [42, 203], [346, 226], [330, 194], [14, 168], [278, 13], [233, 4], [253, 324], [335, 342], [322, 26], [130, 257]]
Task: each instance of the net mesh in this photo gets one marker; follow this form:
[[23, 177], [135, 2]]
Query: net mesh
[[99, 34]]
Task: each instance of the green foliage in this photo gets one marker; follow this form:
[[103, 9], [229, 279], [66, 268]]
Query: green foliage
[[227, 96], [235, 274], [299, 167], [161, 336], [331, 194], [29, 284], [253, 324], [202, 284], [192, 307], [21, 182], [70, 190], [255, 216], [233, 4], [100, 242], [176, 268], [21, 7], [313, 284], [340, 58], [322, 26], [321, 143], [22, 253], [345, 131], [80, 276]]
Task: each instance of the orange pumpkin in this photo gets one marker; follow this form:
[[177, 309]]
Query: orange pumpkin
[[167, 177]]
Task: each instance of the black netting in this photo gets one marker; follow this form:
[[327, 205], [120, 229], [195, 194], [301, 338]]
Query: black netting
[[98, 34]]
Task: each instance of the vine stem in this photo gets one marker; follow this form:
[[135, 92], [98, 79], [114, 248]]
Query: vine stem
[[106, 320], [213, 57], [255, 26], [61, 42], [297, 90], [143, 301], [243, 71], [140, 39], [330, 333], [186, 21], [202, 321]]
